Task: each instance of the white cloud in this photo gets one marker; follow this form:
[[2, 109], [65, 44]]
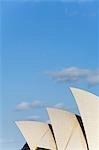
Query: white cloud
[[33, 117], [23, 106], [28, 106], [59, 105], [72, 13], [69, 74], [36, 103], [74, 74], [93, 78]]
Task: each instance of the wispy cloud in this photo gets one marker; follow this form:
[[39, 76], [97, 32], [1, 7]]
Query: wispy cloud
[[33, 117], [24, 106], [59, 105], [78, 13], [69, 74], [93, 78], [82, 9], [27, 106], [74, 74]]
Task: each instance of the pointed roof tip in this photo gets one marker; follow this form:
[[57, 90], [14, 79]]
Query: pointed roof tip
[[16, 122], [71, 87], [77, 91], [50, 109], [20, 122], [58, 110], [74, 88]]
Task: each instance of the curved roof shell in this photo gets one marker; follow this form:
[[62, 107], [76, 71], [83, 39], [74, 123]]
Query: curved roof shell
[[37, 134], [67, 131], [88, 105]]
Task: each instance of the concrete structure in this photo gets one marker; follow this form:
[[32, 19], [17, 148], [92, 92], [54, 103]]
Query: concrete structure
[[67, 131], [88, 105], [37, 134]]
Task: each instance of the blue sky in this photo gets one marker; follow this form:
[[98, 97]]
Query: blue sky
[[43, 45]]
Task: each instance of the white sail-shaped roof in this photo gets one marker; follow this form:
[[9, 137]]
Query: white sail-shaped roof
[[88, 105], [37, 134], [67, 131], [77, 141]]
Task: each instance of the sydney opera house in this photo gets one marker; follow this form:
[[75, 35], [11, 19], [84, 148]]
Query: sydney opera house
[[66, 131]]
